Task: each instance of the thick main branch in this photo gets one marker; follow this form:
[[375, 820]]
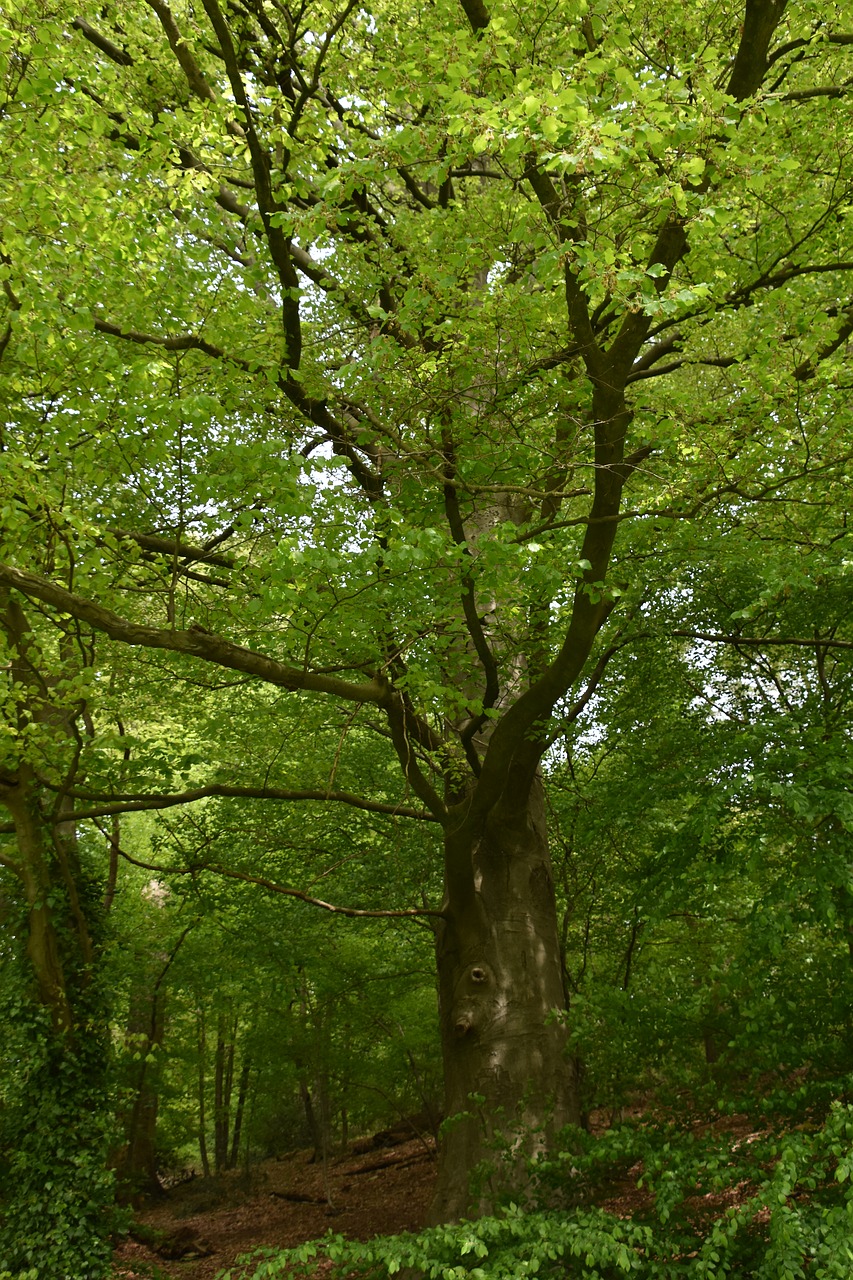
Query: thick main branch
[[194, 643]]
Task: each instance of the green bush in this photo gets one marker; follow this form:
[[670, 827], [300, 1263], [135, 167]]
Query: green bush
[[778, 1206]]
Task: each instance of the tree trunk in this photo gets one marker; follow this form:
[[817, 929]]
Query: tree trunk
[[202, 1095], [145, 1030], [311, 1117], [508, 1084], [43, 941], [223, 1068], [343, 1145], [242, 1093]]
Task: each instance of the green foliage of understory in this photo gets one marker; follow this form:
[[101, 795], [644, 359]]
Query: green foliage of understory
[[773, 1204], [57, 1197]]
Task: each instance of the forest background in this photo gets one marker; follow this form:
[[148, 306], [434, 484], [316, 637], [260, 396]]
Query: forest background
[[426, 571]]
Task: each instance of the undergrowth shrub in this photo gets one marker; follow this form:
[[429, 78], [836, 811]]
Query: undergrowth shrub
[[774, 1204]]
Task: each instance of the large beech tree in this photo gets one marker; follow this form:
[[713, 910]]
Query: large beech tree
[[373, 353]]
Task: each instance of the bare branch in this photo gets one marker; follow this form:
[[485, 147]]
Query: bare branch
[[816, 38], [821, 91], [718, 362]]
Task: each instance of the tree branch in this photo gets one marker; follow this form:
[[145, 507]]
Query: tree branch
[[821, 91], [592, 684], [326, 281], [761, 18], [477, 14], [187, 342], [398, 723], [756, 642], [808, 368], [173, 547], [577, 307], [194, 643], [271, 213], [472, 618], [135, 803], [195, 76], [316, 411], [274, 887], [102, 42]]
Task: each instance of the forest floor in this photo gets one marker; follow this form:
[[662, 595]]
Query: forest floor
[[201, 1227], [210, 1222]]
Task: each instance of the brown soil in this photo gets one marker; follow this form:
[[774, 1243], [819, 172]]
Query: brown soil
[[284, 1203], [209, 1223]]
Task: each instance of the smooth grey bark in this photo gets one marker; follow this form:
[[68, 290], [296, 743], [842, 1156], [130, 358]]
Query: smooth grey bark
[[508, 1083]]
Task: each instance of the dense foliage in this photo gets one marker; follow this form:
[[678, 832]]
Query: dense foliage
[[56, 1191], [792, 1221], [425, 560]]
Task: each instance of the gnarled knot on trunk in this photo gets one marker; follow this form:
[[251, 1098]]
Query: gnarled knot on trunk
[[474, 984]]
